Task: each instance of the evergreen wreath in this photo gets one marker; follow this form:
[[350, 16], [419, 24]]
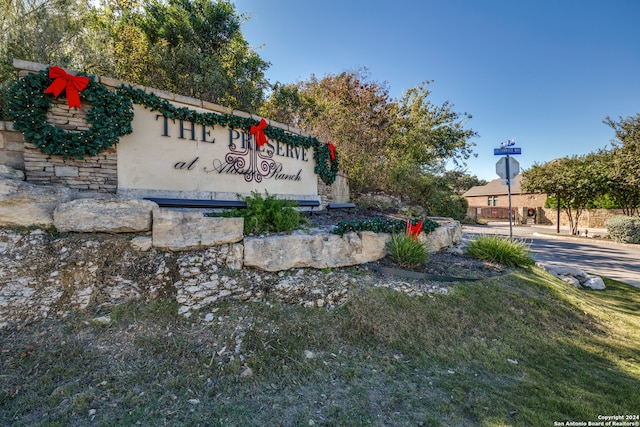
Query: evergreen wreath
[[109, 118], [111, 115]]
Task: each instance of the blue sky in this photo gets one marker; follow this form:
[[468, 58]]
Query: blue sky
[[544, 72]]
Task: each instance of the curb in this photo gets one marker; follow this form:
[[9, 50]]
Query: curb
[[585, 239]]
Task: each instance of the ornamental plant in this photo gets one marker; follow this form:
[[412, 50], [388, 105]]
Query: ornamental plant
[[407, 251], [624, 229], [501, 250], [267, 214]]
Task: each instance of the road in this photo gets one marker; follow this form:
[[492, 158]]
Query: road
[[603, 258]]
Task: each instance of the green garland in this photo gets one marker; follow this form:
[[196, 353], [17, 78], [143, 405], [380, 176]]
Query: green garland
[[111, 118]]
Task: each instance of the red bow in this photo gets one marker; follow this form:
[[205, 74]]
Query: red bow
[[73, 85], [258, 133], [332, 150], [414, 230]]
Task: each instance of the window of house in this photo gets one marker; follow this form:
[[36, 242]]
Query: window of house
[[492, 201]]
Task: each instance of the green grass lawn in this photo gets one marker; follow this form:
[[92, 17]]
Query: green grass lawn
[[523, 349]]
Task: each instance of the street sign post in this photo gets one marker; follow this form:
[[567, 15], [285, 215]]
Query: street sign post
[[507, 168]]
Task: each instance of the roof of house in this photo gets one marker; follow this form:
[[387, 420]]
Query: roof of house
[[495, 188]]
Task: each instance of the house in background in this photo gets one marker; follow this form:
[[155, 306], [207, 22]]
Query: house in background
[[491, 202]]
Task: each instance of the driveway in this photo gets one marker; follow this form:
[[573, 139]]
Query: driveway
[[600, 257]]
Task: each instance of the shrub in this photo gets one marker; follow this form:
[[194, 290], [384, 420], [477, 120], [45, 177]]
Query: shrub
[[624, 229], [406, 251], [382, 225], [500, 249], [267, 214]]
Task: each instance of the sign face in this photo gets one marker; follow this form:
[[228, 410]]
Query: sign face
[[501, 168], [173, 158], [507, 151]]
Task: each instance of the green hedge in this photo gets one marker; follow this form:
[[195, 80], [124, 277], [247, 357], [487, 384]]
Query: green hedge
[[624, 229], [383, 225]]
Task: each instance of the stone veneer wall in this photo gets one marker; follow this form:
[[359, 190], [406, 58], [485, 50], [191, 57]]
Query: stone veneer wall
[[338, 192], [589, 218], [97, 176], [11, 146]]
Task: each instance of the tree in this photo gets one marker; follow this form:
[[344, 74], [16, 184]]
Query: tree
[[57, 32], [574, 180], [621, 166], [196, 48], [429, 134], [460, 181], [347, 108], [190, 47]]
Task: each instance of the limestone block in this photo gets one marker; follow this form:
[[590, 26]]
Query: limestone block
[[142, 243], [449, 234], [594, 282], [25, 204], [8, 172], [66, 171], [104, 216], [574, 276], [185, 230], [275, 253], [570, 280]]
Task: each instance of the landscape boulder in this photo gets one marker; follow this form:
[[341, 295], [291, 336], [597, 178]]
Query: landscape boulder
[[187, 230], [104, 216], [26, 204], [8, 172], [319, 250], [573, 276], [448, 235]]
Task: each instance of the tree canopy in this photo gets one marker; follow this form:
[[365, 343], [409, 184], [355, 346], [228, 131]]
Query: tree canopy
[[622, 171], [192, 47], [572, 179], [393, 145]]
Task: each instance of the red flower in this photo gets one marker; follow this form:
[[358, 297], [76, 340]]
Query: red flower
[[414, 230]]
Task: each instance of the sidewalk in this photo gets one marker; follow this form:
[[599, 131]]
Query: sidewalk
[[526, 230], [565, 231]]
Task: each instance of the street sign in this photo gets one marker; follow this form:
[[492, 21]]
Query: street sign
[[501, 168], [507, 151], [509, 143]]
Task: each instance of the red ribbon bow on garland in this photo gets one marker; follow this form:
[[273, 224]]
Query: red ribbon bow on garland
[[258, 133], [63, 80], [332, 150], [414, 230]]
